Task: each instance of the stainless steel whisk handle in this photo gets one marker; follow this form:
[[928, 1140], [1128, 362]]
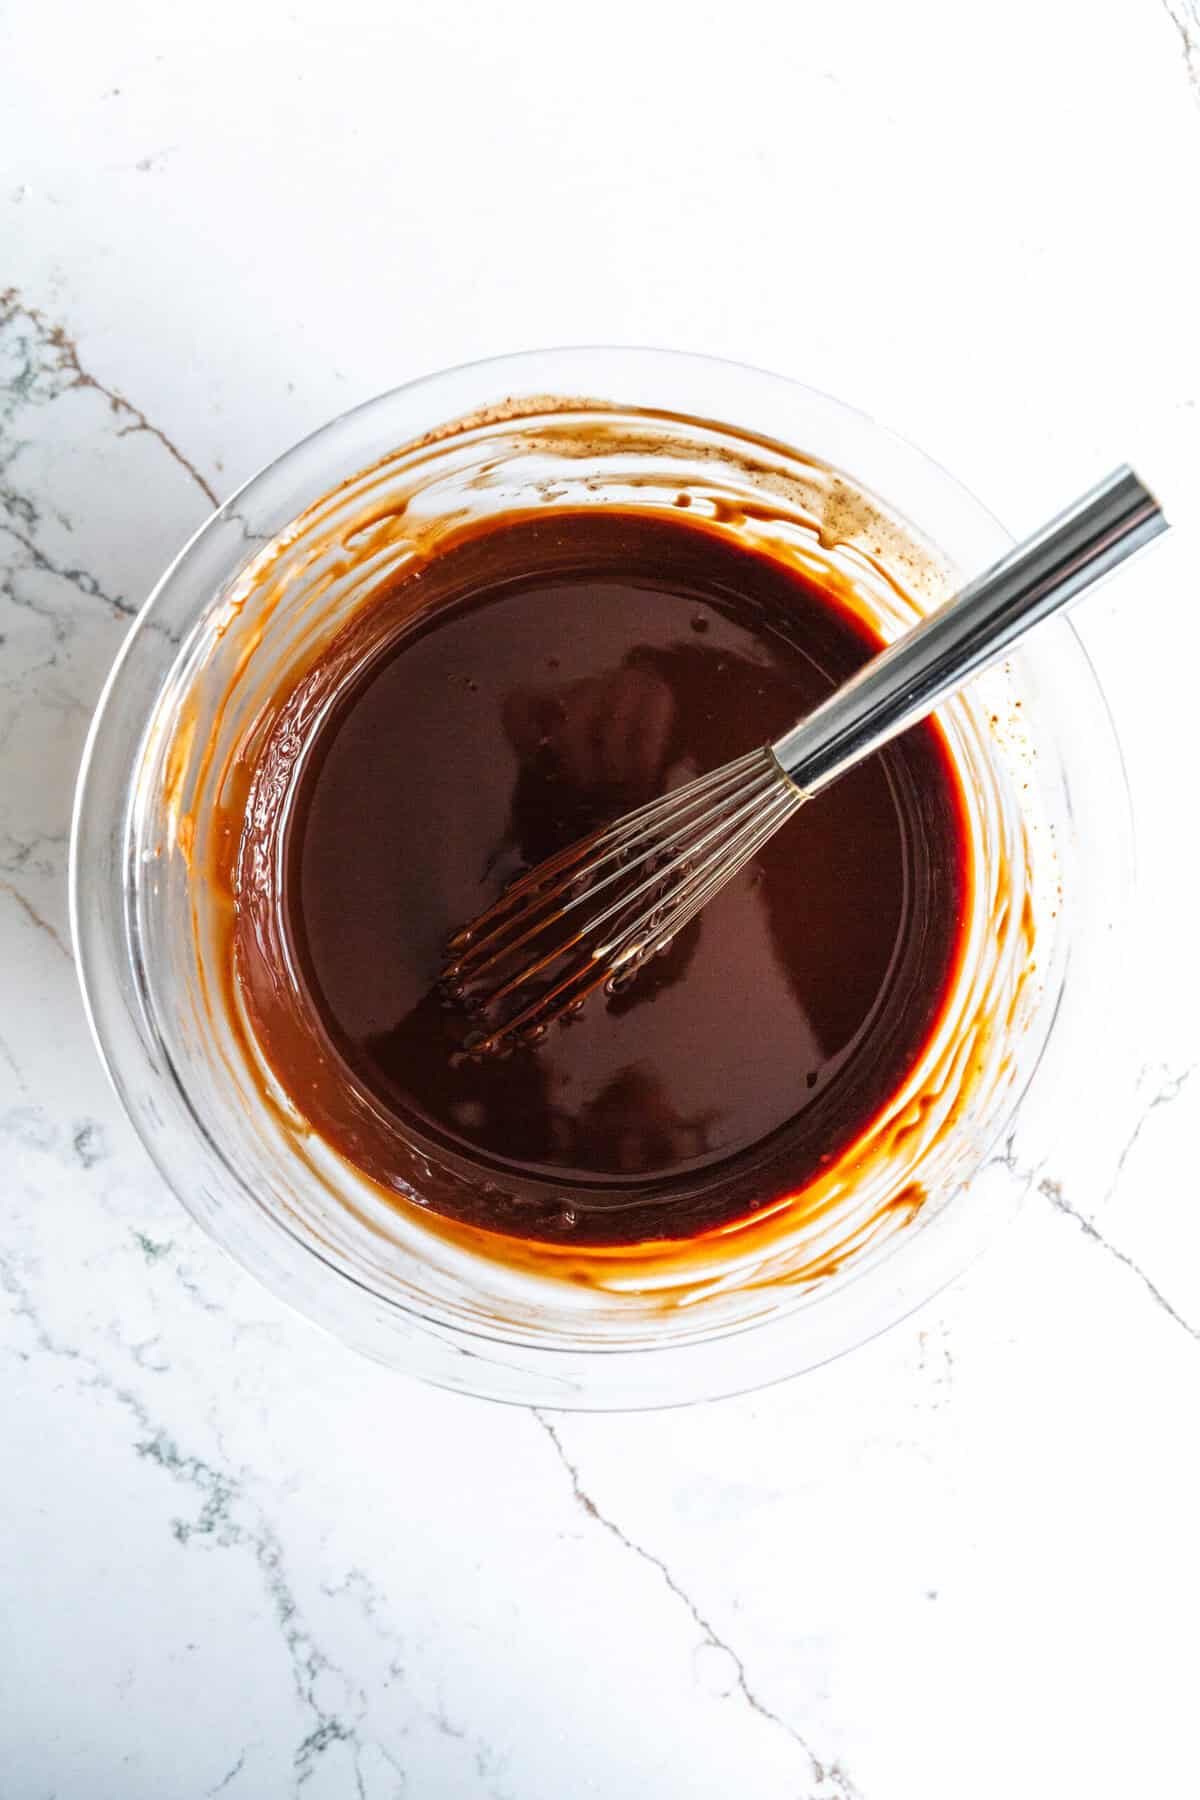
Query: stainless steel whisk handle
[[911, 677]]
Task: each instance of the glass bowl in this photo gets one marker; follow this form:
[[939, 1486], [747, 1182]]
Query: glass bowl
[[261, 589]]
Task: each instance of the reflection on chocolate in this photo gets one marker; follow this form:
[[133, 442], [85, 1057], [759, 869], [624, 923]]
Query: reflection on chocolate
[[527, 683]]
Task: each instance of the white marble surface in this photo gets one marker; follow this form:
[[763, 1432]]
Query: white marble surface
[[233, 1558]]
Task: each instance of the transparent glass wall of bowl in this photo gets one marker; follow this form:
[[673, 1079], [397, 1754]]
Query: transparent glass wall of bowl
[[290, 1211]]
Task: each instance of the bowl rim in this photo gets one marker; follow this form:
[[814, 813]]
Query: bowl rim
[[543, 359]]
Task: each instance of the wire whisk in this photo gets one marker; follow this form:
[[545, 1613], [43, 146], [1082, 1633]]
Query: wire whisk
[[593, 915]]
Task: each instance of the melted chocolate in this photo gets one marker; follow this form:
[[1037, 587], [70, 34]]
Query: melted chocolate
[[539, 677]]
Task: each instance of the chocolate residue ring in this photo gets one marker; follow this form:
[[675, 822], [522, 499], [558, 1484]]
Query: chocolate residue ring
[[280, 636]]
